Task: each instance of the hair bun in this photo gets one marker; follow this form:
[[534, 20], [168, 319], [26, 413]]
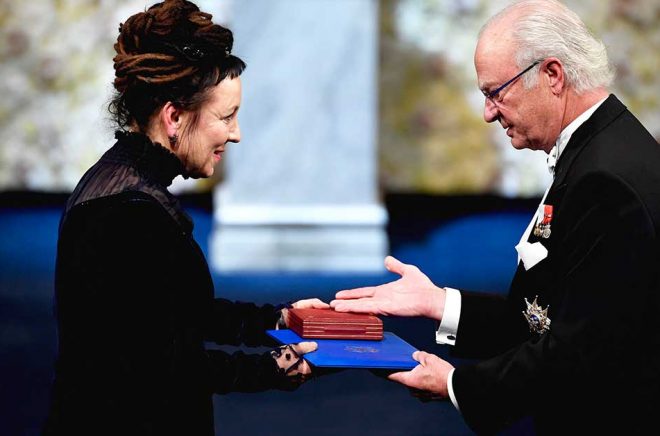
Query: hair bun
[[168, 41], [170, 52]]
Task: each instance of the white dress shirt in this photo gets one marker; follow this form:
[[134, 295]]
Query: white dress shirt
[[530, 254]]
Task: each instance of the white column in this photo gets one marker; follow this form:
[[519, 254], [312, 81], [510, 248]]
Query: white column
[[301, 190]]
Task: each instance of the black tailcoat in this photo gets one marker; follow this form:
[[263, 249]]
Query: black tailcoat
[[597, 369]]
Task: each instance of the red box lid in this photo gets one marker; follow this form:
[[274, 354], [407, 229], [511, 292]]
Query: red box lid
[[327, 324]]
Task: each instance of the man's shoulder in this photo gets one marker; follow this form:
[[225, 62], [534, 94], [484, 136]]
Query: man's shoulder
[[618, 123], [619, 162], [619, 144]]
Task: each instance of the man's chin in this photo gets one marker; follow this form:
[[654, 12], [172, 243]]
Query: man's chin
[[518, 145], [523, 144]]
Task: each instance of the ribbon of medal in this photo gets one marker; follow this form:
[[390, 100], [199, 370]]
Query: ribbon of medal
[[542, 227]]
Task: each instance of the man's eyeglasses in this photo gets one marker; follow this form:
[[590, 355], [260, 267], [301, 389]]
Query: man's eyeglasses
[[494, 95]]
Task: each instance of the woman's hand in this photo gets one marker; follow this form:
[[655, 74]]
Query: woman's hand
[[290, 361], [311, 303]]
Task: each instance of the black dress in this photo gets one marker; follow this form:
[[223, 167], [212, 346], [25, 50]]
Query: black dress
[[135, 303]]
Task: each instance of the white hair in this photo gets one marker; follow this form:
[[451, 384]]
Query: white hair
[[547, 28]]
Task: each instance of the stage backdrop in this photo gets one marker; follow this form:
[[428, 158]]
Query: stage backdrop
[[56, 69]]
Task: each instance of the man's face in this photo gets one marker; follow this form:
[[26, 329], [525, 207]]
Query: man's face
[[529, 116]]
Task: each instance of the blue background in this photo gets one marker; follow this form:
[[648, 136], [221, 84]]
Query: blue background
[[465, 243]]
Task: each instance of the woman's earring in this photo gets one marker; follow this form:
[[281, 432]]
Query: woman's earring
[[173, 140]]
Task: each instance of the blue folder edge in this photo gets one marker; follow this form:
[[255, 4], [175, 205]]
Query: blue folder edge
[[390, 353]]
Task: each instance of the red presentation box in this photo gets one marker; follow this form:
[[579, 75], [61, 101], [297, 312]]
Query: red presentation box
[[328, 324]]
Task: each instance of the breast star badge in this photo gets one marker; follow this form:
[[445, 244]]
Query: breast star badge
[[536, 317]]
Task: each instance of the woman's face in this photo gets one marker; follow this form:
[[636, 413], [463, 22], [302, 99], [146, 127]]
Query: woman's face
[[217, 125]]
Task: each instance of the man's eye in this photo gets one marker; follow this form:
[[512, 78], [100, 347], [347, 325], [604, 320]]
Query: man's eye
[[495, 96]]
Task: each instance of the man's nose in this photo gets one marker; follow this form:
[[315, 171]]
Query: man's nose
[[491, 111]]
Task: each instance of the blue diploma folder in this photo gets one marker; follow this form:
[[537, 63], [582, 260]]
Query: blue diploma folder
[[390, 353]]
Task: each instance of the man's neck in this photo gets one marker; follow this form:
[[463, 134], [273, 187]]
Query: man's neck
[[576, 104]]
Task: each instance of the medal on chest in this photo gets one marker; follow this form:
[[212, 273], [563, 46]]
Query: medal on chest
[[543, 221], [536, 317]]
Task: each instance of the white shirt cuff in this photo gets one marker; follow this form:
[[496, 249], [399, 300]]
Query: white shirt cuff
[[446, 333], [450, 388]]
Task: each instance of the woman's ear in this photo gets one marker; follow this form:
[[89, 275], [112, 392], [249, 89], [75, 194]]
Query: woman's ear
[[170, 117]]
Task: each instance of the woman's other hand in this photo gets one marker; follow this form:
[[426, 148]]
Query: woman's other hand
[[290, 361]]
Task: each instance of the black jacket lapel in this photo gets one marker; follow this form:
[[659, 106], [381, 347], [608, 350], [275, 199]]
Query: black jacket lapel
[[604, 115]]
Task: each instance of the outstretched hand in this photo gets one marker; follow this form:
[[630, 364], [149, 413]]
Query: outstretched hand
[[428, 380], [414, 294]]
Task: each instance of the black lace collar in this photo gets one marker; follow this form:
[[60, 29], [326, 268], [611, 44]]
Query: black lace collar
[[151, 160]]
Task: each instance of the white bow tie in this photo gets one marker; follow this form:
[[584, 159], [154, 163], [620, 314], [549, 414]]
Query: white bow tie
[[552, 159]]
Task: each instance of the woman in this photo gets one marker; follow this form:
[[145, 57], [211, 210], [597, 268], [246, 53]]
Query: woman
[[133, 291]]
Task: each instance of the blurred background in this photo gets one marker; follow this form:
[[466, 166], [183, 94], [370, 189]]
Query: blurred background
[[362, 136]]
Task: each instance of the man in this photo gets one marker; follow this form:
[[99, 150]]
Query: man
[[575, 344]]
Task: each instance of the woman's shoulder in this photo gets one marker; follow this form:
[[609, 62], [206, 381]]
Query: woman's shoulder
[[131, 199], [128, 209]]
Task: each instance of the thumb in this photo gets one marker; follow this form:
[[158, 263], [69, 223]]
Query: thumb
[[394, 265], [305, 347], [397, 376], [400, 377], [421, 357]]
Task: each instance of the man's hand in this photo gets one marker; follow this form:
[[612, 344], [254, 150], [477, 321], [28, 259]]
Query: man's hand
[[428, 380], [411, 295]]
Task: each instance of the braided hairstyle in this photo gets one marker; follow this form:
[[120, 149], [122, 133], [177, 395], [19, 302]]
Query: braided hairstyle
[[171, 52]]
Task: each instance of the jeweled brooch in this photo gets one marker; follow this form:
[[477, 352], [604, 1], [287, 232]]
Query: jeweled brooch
[[537, 317]]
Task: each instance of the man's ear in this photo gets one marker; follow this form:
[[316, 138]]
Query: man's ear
[[554, 72], [170, 117]]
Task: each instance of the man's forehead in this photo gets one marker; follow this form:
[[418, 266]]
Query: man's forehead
[[496, 40], [493, 59], [499, 32]]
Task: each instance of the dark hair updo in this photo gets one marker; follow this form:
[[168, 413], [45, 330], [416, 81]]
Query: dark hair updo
[[171, 52]]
